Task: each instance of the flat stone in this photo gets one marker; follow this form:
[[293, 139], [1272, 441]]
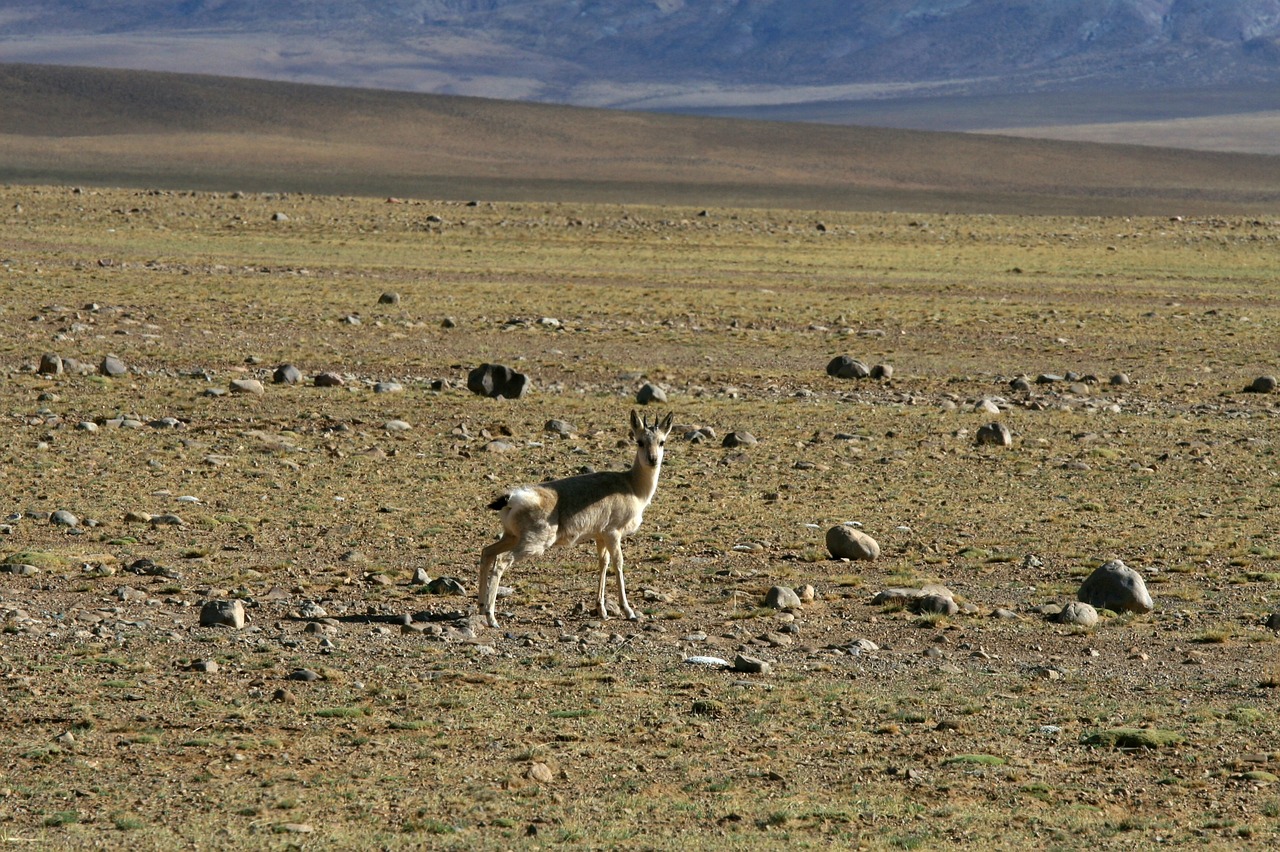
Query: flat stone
[[252, 387], [751, 665]]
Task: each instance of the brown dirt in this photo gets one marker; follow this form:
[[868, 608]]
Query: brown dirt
[[562, 729]]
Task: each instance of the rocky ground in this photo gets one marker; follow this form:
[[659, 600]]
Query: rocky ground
[[361, 704]]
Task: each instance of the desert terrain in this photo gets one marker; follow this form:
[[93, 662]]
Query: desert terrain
[[359, 707]]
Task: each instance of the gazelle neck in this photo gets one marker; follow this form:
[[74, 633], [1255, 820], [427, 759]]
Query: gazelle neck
[[644, 476]]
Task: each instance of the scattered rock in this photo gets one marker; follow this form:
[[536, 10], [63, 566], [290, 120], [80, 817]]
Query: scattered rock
[[221, 613], [884, 372], [995, 434], [420, 577], [446, 586], [560, 427], [286, 374], [130, 594], [845, 542], [1116, 586], [845, 367], [328, 380], [205, 666], [497, 382], [751, 665], [1120, 379], [249, 386], [782, 597], [389, 299], [304, 675], [1077, 613], [397, 426], [1262, 384], [388, 387], [649, 392], [714, 662], [50, 365], [541, 773], [112, 366], [739, 439], [934, 604], [63, 518]]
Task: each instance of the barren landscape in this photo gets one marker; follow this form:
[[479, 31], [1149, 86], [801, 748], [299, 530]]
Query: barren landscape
[[361, 707]]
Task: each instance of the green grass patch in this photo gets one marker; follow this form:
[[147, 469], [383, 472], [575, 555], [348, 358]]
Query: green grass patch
[[974, 760], [1134, 738], [340, 712]]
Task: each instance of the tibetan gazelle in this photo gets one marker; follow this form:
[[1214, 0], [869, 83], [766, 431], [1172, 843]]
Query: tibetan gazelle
[[604, 506]]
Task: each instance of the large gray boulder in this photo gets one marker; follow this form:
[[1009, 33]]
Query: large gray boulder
[[1117, 587]]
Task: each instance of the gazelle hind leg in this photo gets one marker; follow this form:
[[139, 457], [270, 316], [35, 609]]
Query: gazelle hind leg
[[602, 563], [494, 559]]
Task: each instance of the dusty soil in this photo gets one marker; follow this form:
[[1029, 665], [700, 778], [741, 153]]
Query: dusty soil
[[424, 728]]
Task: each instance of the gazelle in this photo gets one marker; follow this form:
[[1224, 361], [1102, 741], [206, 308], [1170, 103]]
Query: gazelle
[[605, 505]]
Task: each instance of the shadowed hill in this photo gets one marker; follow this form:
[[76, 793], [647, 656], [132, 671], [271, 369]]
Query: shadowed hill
[[63, 125]]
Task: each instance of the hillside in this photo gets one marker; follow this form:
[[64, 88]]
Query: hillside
[[65, 125], [623, 53]]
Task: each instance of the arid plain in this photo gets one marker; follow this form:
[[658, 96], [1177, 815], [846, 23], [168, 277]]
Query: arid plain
[[127, 723]]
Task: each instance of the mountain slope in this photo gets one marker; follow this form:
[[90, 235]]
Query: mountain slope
[[137, 128], [622, 52]]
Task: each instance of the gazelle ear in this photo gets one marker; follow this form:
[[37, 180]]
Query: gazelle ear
[[637, 425], [667, 421]]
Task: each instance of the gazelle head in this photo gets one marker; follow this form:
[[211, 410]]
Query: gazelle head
[[651, 437]]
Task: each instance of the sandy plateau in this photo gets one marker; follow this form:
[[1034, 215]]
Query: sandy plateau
[[359, 707]]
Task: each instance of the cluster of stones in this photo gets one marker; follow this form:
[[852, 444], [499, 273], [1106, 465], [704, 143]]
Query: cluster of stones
[[848, 367]]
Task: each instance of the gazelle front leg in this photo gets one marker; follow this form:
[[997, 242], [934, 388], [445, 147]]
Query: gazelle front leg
[[614, 539]]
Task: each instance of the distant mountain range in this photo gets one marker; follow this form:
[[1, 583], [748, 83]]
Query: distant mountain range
[[671, 54]]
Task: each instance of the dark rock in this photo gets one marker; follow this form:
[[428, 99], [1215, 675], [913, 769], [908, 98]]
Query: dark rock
[[1262, 384], [845, 367], [222, 614], [328, 380], [286, 374], [389, 299], [650, 392], [50, 364], [446, 586], [995, 434], [496, 381]]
